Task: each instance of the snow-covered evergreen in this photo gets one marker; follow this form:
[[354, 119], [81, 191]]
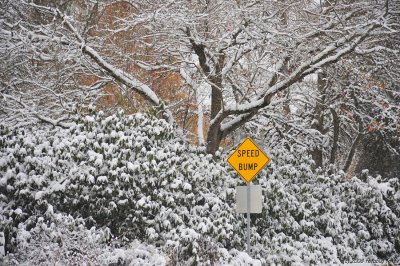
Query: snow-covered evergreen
[[128, 188]]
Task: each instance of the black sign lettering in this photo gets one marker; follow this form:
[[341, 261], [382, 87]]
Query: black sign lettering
[[247, 166], [248, 153]]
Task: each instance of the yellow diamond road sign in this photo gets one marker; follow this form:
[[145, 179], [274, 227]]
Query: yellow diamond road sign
[[248, 160]]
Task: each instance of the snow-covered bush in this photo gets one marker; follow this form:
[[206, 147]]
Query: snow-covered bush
[[130, 174], [58, 239], [62, 240], [315, 217], [133, 179]]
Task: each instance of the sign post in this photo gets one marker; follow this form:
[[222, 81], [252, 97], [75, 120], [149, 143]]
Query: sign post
[[248, 160], [248, 218]]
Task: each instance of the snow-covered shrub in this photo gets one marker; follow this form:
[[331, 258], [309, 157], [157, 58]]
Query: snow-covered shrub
[[315, 217], [127, 173], [58, 239], [62, 240], [132, 177]]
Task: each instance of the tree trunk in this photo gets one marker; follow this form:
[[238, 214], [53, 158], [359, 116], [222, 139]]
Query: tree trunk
[[214, 138], [317, 153], [356, 141], [215, 135], [216, 96], [335, 122], [350, 156]]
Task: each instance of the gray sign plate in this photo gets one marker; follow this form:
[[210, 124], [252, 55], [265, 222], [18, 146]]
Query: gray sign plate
[[255, 199]]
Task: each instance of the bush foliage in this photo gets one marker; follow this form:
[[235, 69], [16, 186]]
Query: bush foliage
[[131, 178]]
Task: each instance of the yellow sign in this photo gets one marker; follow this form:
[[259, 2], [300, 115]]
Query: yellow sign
[[248, 160]]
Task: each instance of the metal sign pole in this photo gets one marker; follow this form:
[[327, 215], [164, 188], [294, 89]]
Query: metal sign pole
[[248, 217]]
